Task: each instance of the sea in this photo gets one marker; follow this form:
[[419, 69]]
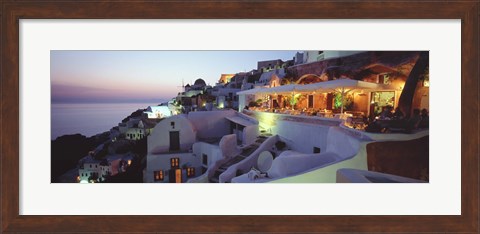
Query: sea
[[89, 119]]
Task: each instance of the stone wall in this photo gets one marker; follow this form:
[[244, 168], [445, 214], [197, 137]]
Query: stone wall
[[403, 158], [354, 66]]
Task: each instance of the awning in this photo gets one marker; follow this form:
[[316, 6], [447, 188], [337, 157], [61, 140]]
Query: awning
[[338, 85], [345, 84]]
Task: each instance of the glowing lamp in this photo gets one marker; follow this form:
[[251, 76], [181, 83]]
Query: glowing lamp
[[426, 83]]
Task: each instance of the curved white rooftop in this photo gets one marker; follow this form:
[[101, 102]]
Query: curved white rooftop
[[159, 139]]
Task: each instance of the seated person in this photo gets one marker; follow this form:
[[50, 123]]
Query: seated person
[[414, 121], [398, 115], [386, 113], [424, 119], [374, 127]]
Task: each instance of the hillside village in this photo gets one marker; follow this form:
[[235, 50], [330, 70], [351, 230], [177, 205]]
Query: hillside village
[[321, 117]]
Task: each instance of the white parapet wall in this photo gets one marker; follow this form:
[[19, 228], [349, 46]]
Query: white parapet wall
[[344, 143], [340, 147], [327, 173], [251, 161], [251, 132]]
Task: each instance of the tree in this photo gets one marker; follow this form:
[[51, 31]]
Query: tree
[[294, 100], [347, 101], [406, 98]]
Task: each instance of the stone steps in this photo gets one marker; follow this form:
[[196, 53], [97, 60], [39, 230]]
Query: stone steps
[[240, 157]]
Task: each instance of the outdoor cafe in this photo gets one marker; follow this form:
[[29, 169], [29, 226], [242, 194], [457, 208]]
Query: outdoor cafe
[[351, 100]]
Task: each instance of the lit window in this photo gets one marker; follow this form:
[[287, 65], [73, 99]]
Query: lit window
[[174, 162], [190, 172], [158, 176]]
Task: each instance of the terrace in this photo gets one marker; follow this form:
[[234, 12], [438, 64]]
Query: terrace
[[344, 99]]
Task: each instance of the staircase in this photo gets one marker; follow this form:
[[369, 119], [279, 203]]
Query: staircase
[[236, 159]]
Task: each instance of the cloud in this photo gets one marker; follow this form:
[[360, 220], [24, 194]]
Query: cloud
[[109, 93]]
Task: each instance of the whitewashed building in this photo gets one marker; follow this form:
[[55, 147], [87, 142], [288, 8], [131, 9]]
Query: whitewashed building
[[157, 112], [182, 147], [130, 123], [313, 56], [139, 130], [226, 97], [271, 78], [92, 170]]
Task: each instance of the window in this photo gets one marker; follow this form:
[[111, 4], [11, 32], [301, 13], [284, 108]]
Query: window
[[174, 162], [316, 150], [204, 159], [190, 172], [381, 99], [384, 79], [158, 176], [172, 124], [310, 101]]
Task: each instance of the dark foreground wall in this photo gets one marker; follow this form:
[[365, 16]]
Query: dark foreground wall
[[403, 158]]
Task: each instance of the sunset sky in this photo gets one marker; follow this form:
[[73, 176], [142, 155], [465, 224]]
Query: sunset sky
[[139, 76]]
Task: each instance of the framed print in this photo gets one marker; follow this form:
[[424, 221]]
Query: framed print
[[43, 39]]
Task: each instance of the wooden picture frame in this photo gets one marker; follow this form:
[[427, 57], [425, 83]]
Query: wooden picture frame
[[12, 11]]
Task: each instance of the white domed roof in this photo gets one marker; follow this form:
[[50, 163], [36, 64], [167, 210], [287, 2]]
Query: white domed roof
[[200, 82]]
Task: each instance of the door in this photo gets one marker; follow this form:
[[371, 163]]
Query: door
[[178, 176], [310, 101], [174, 140]]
